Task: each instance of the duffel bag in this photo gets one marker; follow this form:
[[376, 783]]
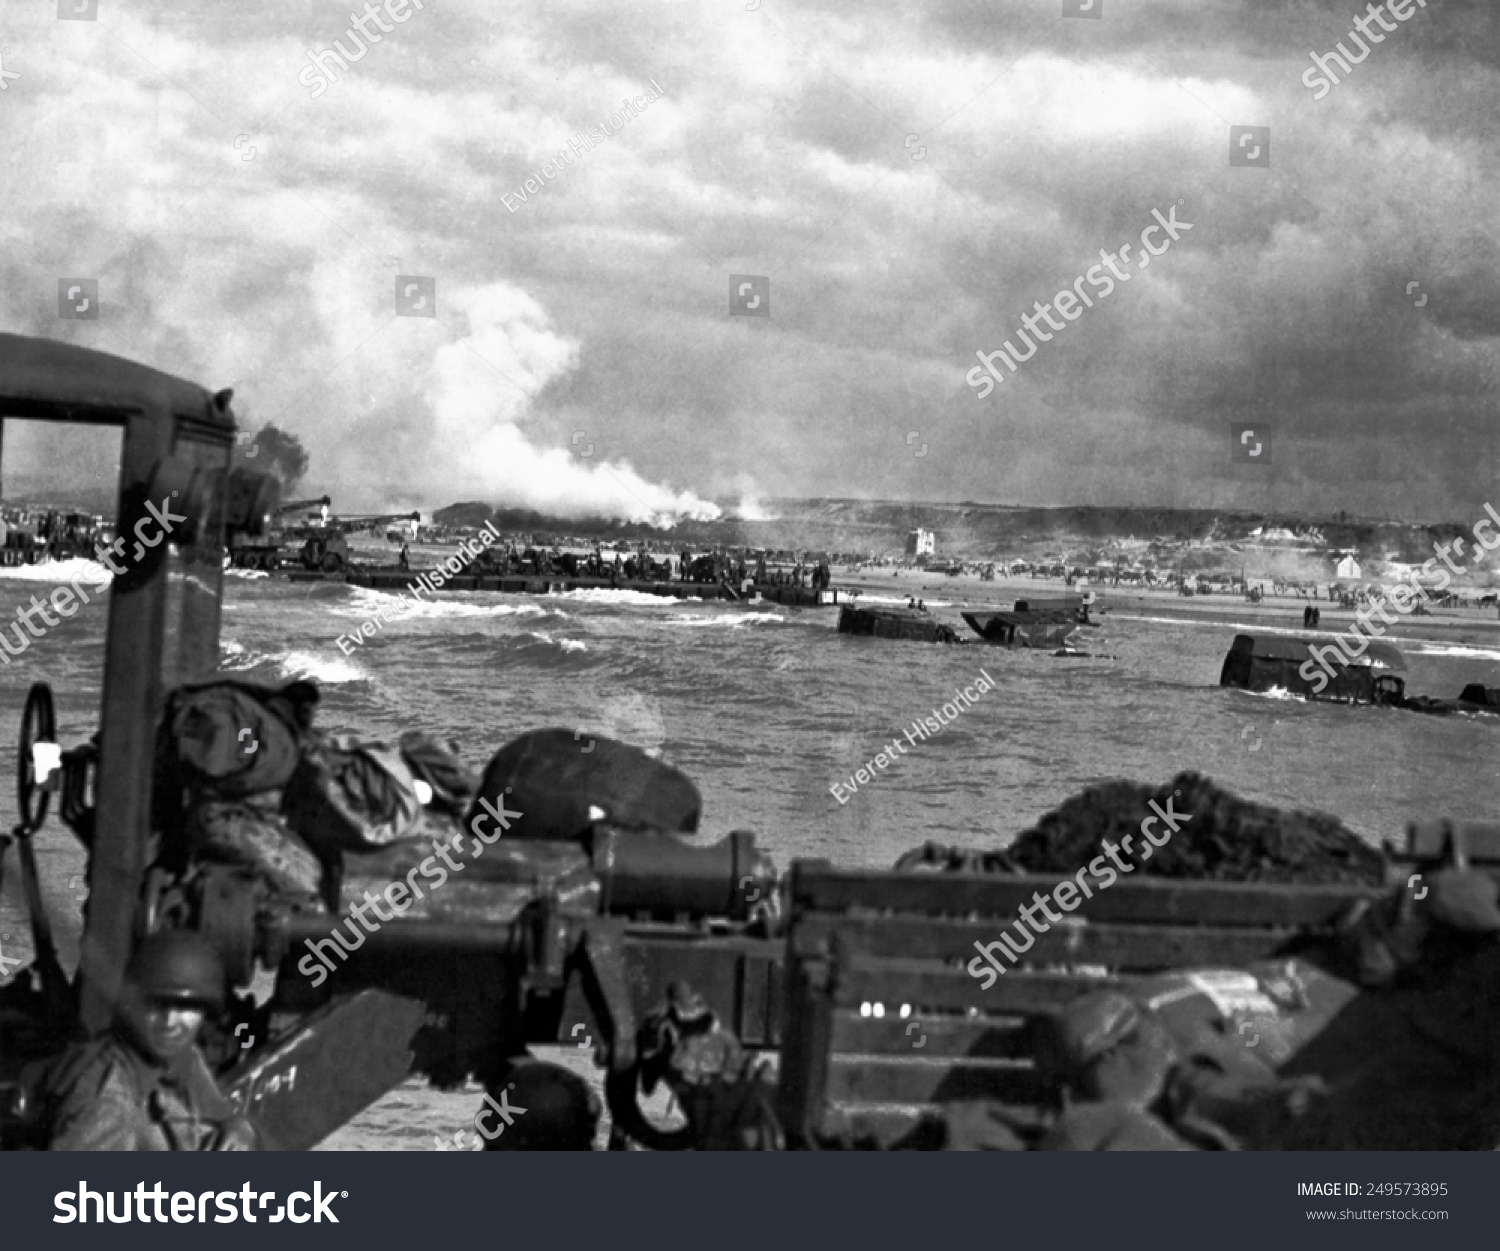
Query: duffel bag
[[561, 782], [227, 740], [242, 834], [351, 796]]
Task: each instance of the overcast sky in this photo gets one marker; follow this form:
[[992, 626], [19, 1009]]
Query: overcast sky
[[910, 178]]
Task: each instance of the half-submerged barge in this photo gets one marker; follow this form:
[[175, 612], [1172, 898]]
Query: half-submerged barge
[[1323, 671], [398, 580], [895, 623]]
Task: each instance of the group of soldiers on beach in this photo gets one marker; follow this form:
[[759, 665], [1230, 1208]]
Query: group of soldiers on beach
[[744, 569]]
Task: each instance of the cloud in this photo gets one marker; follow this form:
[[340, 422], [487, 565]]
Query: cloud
[[600, 306]]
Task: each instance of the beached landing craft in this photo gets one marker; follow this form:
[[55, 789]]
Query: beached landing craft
[[1316, 670], [1039, 623], [895, 623], [1034, 622], [1025, 627]]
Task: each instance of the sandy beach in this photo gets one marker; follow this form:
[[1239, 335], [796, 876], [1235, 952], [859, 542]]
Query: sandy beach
[[945, 595]]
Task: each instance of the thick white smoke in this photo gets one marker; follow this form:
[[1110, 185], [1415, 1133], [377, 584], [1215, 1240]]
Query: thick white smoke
[[480, 449]]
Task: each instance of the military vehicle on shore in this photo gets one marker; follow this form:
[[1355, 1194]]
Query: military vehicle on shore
[[265, 551]]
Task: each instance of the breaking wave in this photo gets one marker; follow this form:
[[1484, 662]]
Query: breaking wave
[[730, 620], [605, 595], [365, 603], [331, 671], [90, 572], [1449, 649]]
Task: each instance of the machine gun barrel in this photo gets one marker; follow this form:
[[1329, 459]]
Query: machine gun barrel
[[631, 874], [409, 935]]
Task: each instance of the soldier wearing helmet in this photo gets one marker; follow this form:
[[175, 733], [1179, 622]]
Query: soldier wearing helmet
[[145, 1086]]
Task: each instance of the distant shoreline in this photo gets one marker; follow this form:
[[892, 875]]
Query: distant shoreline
[[1282, 612]]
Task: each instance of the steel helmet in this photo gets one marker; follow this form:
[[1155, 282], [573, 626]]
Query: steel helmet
[[178, 967]]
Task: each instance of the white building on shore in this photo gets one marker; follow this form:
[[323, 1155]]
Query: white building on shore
[[921, 543]]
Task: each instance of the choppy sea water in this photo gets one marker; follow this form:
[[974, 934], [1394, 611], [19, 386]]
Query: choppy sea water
[[766, 707]]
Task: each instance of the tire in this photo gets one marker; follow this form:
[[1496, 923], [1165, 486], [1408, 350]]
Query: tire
[[332, 562]]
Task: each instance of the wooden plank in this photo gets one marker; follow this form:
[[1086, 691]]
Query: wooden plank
[[925, 986], [1115, 946], [761, 976], [980, 1038], [338, 1061], [804, 1050], [736, 976], [884, 1079], [817, 887]]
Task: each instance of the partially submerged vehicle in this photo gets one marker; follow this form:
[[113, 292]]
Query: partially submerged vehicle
[[1035, 622], [1314, 670], [1322, 671], [1023, 629], [895, 623]]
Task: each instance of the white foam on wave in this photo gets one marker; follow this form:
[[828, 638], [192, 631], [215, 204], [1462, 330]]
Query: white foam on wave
[[249, 575], [604, 595], [1256, 627], [900, 601], [731, 620], [567, 645], [235, 657], [329, 670], [364, 603], [1275, 692], [89, 572], [1454, 649]]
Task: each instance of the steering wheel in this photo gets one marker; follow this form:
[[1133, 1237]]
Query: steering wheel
[[38, 725]]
